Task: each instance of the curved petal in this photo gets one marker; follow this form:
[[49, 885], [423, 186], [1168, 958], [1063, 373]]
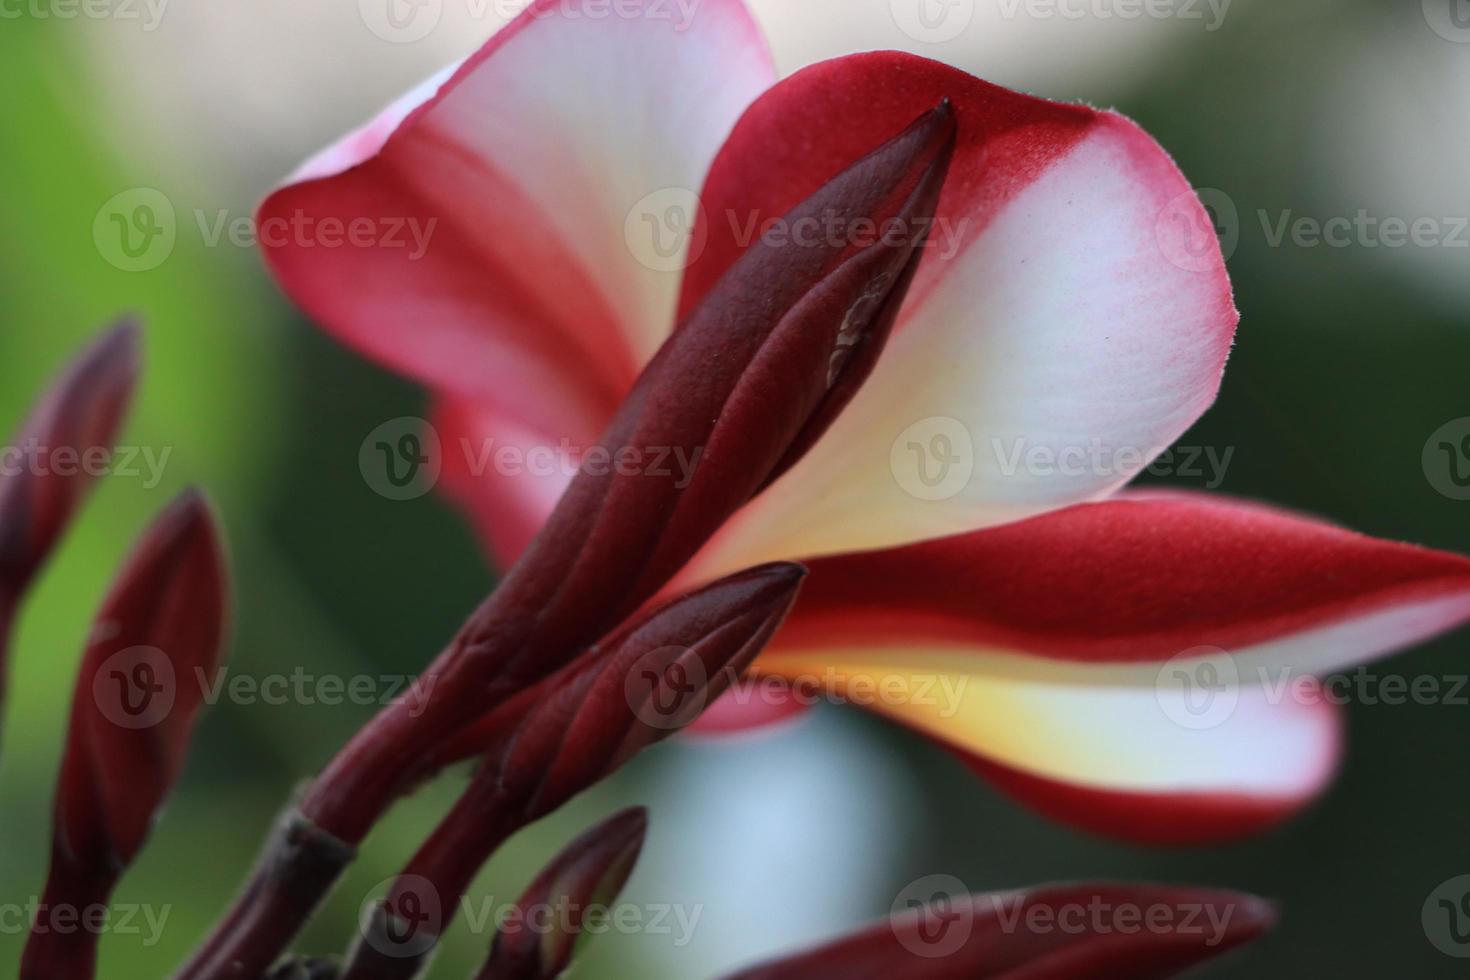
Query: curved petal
[[1071, 318], [1144, 667], [1104, 750], [504, 473], [1143, 578], [1051, 932], [751, 704], [489, 258]]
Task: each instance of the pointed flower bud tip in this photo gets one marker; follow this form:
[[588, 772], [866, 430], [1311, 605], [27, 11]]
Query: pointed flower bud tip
[[645, 683], [590, 872], [79, 416]]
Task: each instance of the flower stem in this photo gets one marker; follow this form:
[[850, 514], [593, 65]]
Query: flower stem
[[298, 867]]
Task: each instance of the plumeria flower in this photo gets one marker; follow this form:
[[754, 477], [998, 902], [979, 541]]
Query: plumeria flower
[[1137, 664]]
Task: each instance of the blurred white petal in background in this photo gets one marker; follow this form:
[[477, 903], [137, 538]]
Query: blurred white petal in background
[[775, 840], [1399, 149], [270, 81]]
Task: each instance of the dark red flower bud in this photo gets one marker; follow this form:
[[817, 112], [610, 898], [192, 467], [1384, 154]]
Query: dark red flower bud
[[661, 676], [590, 872], [159, 635], [638, 687], [744, 386], [47, 471], [1055, 932], [749, 379]]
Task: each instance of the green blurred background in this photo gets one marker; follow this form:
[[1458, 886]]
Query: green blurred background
[[1347, 360]]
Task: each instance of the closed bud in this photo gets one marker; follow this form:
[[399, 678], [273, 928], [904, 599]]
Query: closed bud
[[161, 629], [1061, 932], [592, 717], [746, 383], [589, 873], [80, 415]]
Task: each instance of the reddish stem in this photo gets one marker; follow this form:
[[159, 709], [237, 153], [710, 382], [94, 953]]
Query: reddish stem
[[66, 927]]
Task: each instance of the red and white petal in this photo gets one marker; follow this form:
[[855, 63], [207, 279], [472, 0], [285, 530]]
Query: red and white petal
[[752, 704], [519, 175], [1142, 578], [1073, 304], [1105, 749], [506, 475], [1145, 667]]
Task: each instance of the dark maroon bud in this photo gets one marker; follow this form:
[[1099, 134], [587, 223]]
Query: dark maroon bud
[[160, 633], [1054, 932], [589, 873]]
